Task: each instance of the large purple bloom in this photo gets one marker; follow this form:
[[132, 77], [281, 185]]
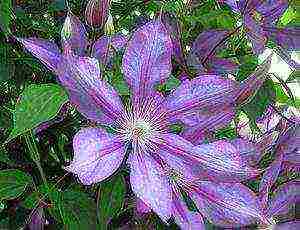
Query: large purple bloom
[[141, 129]]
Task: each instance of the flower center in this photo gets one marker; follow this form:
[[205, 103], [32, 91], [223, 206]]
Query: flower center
[[139, 130]]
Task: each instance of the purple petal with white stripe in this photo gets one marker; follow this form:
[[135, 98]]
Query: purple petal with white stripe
[[94, 98], [150, 184], [207, 91], [269, 178], [141, 207], [272, 10], [97, 155], [147, 59], [47, 52], [219, 161], [102, 50], [227, 204], [206, 42], [288, 38], [119, 41], [255, 34]]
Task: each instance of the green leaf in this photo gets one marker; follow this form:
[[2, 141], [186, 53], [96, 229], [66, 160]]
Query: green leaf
[[288, 16], [38, 104], [13, 183], [111, 199], [5, 15], [78, 210], [264, 96], [6, 66], [281, 96], [4, 156]]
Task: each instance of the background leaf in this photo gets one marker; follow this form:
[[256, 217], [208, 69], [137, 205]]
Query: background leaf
[[38, 103], [78, 210], [111, 196], [5, 15], [13, 183]]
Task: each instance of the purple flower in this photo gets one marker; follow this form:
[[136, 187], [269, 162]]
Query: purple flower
[[141, 129]]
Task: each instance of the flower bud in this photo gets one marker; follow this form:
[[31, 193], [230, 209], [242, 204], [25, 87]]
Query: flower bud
[[109, 26], [96, 12]]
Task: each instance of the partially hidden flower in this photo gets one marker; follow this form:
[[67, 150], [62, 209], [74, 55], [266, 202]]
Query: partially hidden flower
[[74, 39]]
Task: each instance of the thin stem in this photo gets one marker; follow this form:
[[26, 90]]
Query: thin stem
[[34, 154]]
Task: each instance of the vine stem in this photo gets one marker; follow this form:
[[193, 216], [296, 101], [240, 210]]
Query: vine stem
[[34, 154]]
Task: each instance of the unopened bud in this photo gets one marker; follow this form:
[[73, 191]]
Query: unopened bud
[[96, 12], [109, 26]]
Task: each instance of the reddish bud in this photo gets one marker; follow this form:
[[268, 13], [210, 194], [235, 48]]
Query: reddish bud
[[96, 12]]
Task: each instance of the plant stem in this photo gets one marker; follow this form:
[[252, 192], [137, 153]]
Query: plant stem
[[34, 154]]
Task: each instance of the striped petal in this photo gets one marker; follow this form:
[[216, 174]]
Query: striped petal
[[219, 161], [97, 155], [226, 204], [47, 52], [201, 93], [147, 59], [94, 98], [149, 183]]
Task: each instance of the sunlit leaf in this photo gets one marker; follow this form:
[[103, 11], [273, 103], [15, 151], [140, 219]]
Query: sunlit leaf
[[38, 103]]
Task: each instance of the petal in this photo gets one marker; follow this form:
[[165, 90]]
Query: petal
[[47, 52], [272, 10], [205, 44], [173, 28], [184, 218], [73, 35], [226, 204], [37, 220], [150, 184], [291, 225], [207, 91], [222, 65], [252, 152], [255, 34], [102, 50], [147, 59], [288, 37], [250, 86], [97, 155], [210, 118], [284, 196], [95, 99], [219, 160], [141, 207], [119, 41], [233, 4], [201, 122]]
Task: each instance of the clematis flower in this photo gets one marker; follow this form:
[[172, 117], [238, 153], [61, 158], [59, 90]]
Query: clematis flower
[[140, 131]]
